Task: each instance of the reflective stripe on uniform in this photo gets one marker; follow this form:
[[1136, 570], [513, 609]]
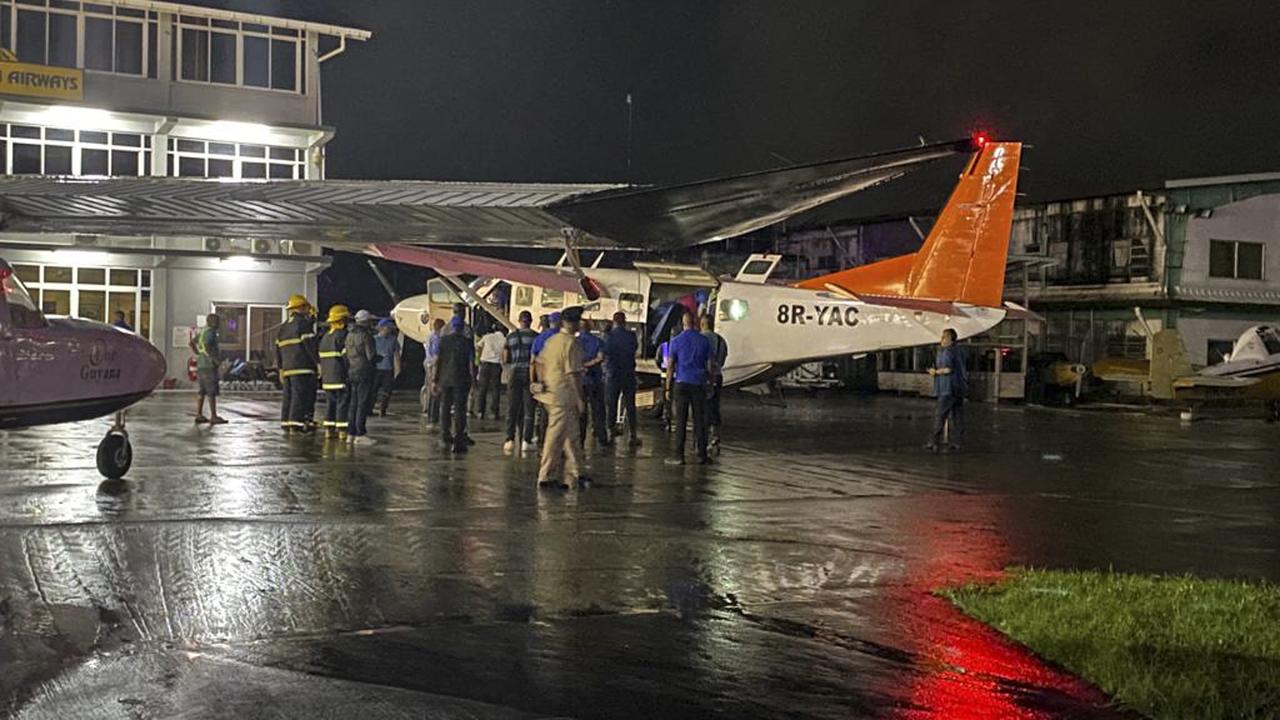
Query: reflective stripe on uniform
[[300, 371], [333, 386], [330, 353], [288, 342]]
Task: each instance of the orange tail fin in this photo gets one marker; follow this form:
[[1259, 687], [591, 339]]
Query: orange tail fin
[[963, 258]]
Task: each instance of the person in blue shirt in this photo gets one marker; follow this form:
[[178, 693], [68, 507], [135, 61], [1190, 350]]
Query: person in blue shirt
[[387, 344], [950, 385], [620, 346], [593, 387], [430, 398], [691, 368], [552, 327], [548, 328]]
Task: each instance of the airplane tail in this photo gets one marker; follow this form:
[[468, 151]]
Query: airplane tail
[[1168, 363], [963, 257]]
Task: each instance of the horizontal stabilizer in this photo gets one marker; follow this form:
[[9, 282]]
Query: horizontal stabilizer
[[456, 263]]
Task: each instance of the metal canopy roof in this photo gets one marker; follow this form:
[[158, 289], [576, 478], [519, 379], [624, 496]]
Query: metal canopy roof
[[205, 11], [338, 212]]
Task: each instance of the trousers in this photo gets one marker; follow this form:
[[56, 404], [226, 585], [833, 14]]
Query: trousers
[[383, 382], [560, 446], [299, 404], [360, 404], [453, 414], [520, 410], [336, 409], [950, 407], [489, 386], [688, 396], [621, 389], [594, 415]]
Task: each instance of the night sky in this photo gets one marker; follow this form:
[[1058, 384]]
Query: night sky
[[1114, 95]]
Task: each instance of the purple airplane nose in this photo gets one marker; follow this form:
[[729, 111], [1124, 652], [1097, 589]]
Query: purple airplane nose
[[140, 364]]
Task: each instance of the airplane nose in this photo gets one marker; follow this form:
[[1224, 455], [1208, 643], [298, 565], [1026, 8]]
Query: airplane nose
[[145, 362]]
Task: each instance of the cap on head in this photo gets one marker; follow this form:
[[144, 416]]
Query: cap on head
[[554, 319], [364, 316], [338, 313], [387, 323], [571, 314], [456, 323], [298, 302]]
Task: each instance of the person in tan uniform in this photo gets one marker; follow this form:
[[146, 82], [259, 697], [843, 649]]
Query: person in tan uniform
[[557, 384]]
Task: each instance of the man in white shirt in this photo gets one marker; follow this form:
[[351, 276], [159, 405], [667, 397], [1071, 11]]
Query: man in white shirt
[[490, 375]]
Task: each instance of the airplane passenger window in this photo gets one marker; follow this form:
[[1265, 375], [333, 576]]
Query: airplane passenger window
[[22, 309], [630, 303], [732, 310], [524, 296], [757, 267], [552, 299]]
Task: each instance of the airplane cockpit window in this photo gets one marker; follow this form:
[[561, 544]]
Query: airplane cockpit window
[[630, 303], [22, 309], [1271, 339], [552, 299], [732, 310]]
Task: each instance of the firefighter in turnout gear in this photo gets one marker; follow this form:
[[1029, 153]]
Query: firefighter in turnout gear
[[296, 355], [333, 372]]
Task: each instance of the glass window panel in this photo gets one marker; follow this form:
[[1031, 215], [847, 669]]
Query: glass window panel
[[1222, 259], [57, 274], [57, 160], [62, 40], [256, 62], [280, 171], [252, 27], [6, 26], [94, 163], [278, 153], [26, 159], [129, 47], [93, 138], [221, 168], [146, 164], [152, 43], [64, 4], [144, 316], [222, 149], [193, 20], [195, 146], [191, 167], [24, 131], [284, 64], [31, 36], [124, 162], [256, 151], [195, 54], [97, 43], [284, 32], [93, 305], [59, 134], [130, 12], [552, 299], [130, 139], [253, 170], [1249, 261], [227, 24], [4, 150], [146, 278], [27, 273], [55, 302], [97, 8], [223, 59], [91, 276], [124, 277]]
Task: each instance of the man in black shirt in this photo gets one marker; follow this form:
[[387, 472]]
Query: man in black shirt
[[454, 370]]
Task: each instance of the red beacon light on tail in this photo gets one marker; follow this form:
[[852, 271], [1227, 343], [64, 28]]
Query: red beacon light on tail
[[980, 139]]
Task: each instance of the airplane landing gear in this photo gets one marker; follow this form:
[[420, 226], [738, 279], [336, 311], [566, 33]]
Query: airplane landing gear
[[115, 453]]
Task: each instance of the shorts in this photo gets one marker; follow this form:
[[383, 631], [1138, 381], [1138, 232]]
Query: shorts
[[207, 379]]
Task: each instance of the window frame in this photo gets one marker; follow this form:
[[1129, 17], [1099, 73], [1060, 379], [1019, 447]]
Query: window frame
[[77, 145], [147, 22], [241, 153], [269, 34], [1235, 260], [142, 291]]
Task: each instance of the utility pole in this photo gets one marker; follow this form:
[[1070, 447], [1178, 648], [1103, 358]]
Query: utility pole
[[630, 108]]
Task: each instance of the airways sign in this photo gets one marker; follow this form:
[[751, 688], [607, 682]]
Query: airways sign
[[18, 78]]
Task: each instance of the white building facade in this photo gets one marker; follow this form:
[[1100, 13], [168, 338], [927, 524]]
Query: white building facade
[[134, 88]]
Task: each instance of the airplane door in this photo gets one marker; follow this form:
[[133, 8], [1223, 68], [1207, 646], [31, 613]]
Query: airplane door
[[758, 268]]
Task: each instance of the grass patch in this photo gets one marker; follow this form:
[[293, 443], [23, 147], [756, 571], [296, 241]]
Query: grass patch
[[1168, 647]]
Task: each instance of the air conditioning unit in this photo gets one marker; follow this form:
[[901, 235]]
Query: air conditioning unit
[[212, 245], [85, 241], [263, 247]]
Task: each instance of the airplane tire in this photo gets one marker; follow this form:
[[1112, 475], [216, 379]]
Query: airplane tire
[[115, 456]]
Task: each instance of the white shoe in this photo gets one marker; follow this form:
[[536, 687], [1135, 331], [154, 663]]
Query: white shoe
[[527, 447], [364, 440], [509, 446]]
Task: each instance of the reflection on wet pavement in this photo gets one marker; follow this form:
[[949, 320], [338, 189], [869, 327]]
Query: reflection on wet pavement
[[240, 573]]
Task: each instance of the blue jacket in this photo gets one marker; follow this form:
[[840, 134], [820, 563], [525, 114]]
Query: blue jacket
[[620, 347], [956, 382]]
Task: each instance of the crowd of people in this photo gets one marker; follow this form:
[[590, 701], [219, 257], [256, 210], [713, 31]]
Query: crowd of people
[[563, 383]]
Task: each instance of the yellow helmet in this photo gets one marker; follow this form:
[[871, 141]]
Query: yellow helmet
[[298, 302], [338, 313]]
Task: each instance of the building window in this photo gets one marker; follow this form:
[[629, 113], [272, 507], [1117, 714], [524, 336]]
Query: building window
[[92, 293], [1235, 260], [208, 158], [35, 150], [1219, 350], [226, 52], [94, 36]]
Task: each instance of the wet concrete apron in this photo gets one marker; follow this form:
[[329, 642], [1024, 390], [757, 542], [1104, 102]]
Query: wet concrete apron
[[238, 573]]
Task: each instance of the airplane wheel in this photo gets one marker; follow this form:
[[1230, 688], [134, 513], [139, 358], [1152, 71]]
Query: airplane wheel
[[115, 455]]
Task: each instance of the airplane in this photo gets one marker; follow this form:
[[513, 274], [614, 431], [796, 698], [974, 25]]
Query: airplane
[[955, 280], [1251, 372], [58, 370]]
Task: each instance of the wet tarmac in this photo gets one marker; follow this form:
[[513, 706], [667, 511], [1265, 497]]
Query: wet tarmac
[[238, 573]]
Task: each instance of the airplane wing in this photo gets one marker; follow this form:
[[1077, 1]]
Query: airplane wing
[[357, 212], [701, 212], [456, 263], [1213, 381]]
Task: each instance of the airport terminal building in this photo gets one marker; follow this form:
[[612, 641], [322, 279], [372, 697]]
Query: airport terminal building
[[143, 89]]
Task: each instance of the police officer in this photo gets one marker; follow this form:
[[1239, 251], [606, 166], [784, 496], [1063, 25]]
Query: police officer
[[362, 358], [333, 372], [297, 359], [558, 368]]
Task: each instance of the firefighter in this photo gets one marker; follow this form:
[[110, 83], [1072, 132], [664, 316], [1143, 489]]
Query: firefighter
[[296, 356], [333, 372]]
